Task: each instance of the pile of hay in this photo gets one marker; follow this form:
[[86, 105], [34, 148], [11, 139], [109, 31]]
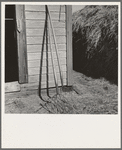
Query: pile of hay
[[95, 41]]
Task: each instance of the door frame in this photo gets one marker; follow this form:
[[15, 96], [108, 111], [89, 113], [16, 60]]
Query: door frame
[[69, 45], [20, 29], [21, 43]]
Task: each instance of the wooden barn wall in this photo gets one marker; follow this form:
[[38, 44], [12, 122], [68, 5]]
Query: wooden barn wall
[[35, 21]]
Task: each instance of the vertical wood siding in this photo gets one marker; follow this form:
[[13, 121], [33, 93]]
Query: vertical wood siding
[[21, 46], [69, 45], [35, 21]]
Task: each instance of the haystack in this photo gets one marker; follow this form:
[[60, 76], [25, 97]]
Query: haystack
[[95, 41]]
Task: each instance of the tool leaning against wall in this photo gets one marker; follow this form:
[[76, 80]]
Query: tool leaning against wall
[[51, 33]]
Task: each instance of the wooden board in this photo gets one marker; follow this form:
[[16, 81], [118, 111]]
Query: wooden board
[[69, 45], [35, 78], [41, 15], [40, 32], [12, 87], [38, 40], [36, 63], [39, 24], [52, 8], [37, 56], [38, 48], [36, 71], [21, 44]]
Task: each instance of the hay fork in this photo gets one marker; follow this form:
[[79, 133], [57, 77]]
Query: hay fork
[[48, 15], [55, 43]]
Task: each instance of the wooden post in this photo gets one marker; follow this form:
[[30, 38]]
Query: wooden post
[[21, 44], [69, 44]]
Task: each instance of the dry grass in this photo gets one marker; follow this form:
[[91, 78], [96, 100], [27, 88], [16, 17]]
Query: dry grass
[[95, 41], [88, 96]]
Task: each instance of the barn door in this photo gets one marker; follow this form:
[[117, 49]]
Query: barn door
[[11, 60], [15, 48]]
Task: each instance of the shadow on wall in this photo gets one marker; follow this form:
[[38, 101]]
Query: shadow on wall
[[95, 46]]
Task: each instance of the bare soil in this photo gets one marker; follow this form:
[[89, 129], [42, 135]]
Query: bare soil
[[86, 96]]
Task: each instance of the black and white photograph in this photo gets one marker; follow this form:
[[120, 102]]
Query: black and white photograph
[[61, 59]]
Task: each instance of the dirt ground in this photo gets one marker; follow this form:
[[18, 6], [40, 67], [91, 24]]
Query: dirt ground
[[86, 96]]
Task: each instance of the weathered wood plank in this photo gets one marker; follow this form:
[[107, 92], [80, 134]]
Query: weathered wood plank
[[40, 32], [35, 78], [36, 63], [38, 48], [33, 86], [12, 87], [34, 7], [40, 24], [69, 44], [41, 15], [21, 44], [38, 40], [36, 56], [36, 71], [35, 15], [54, 8]]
